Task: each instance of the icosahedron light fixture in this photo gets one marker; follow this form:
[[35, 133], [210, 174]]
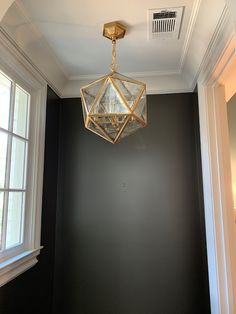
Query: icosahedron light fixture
[[114, 106]]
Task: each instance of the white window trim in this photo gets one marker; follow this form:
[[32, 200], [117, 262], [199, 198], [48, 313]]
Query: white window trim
[[13, 63]]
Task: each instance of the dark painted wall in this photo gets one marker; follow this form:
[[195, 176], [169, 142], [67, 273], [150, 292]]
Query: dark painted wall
[[130, 228], [31, 292]]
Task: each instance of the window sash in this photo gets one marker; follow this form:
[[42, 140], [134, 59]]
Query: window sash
[[6, 250]]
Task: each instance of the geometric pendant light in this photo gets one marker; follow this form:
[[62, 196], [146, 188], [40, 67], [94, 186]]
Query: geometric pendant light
[[114, 106]]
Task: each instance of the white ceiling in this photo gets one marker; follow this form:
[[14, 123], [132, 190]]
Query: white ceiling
[[63, 39], [73, 29]]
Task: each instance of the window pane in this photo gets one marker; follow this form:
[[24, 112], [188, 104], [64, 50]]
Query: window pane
[[1, 213], [5, 91], [18, 170], [3, 156], [20, 112], [15, 218]]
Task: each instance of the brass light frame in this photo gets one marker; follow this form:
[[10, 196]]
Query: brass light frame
[[129, 94]]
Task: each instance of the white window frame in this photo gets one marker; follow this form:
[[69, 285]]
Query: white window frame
[[15, 65], [18, 247]]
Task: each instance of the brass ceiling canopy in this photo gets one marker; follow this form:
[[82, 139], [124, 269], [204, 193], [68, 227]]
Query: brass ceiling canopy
[[114, 30], [114, 106]]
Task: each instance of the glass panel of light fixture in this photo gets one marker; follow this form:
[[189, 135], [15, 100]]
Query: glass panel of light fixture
[[122, 77], [110, 102], [93, 127], [110, 126], [114, 124], [132, 126], [140, 110], [90, 93], [131, 91]]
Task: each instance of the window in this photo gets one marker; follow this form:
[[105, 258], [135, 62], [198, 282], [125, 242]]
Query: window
[[14, 141], [22, 126]]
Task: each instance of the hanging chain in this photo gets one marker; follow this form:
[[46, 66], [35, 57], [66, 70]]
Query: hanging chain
[[113, 66]]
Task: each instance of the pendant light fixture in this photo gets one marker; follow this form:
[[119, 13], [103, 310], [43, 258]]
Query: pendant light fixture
[[114, 106]]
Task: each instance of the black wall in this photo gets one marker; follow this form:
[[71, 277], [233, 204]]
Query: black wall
[[130, 226], [32, 292], [130, 222]]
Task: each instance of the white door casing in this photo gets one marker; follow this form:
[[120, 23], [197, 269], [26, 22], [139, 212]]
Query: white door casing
[[217, 186]]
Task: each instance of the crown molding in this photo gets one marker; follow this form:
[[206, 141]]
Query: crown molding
[[20, 7], [218, 30], [4, 37], [129, 74], [162, 84], [223, 34], [189, 33], [31, 44]]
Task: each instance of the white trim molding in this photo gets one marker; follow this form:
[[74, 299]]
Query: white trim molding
[[17, 265], [222, 33], [162, 84], [189, 33], [29, 41], [232, 7], [14, 64], [219, 211]]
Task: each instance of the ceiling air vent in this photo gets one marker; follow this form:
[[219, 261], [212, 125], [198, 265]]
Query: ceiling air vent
[[165, 23]]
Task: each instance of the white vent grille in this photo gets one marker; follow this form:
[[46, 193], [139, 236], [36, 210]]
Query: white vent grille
[[163, 26], [165, 23]]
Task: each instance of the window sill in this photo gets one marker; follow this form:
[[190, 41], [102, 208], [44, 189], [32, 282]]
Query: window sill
[[18, 264]]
